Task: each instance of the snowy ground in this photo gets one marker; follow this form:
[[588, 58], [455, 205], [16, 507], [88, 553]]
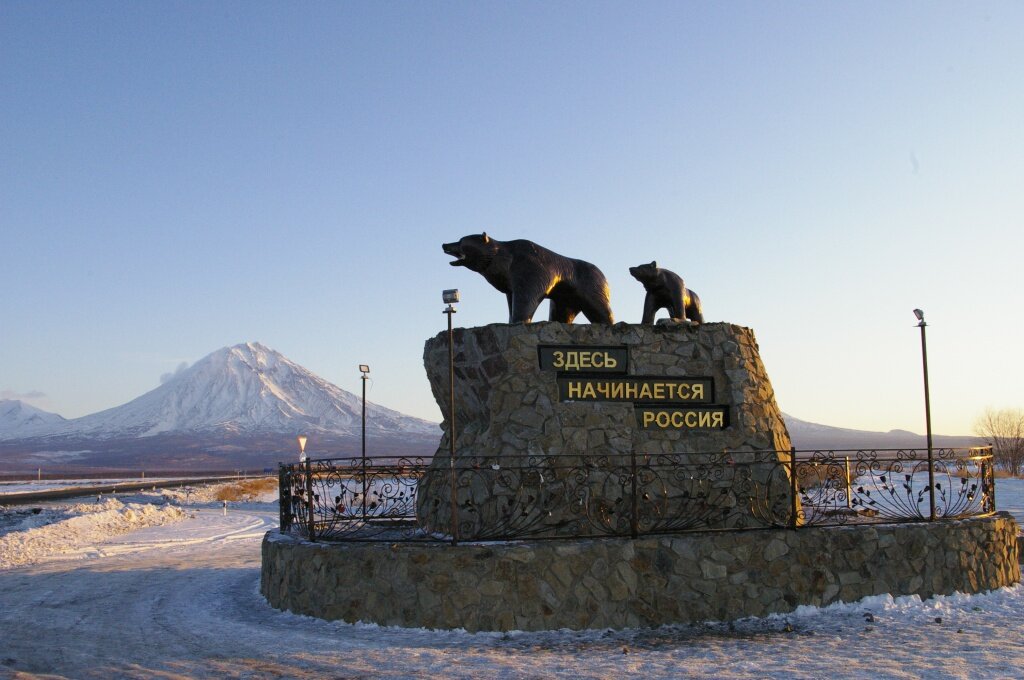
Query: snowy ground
[[163, 586]]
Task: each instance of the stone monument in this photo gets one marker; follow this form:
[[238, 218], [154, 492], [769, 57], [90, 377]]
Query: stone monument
[[560, 426], [637, 433]]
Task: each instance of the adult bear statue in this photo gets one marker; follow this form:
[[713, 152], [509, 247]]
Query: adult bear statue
[[527, 273], [666, 289]]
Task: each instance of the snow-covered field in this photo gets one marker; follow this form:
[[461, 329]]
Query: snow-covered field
[[160, 585]]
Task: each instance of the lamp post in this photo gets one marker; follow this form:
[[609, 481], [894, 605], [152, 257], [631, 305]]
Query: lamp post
[[364, 369], [450, 297], [927, 414], [311, 524]]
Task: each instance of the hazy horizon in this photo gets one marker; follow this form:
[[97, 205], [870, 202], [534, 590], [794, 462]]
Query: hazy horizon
[[168, 376]]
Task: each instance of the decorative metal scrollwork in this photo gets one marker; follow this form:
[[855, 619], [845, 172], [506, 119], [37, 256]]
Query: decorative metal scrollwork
[[549, 496]]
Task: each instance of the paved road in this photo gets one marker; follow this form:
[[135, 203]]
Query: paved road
[[85, 491]]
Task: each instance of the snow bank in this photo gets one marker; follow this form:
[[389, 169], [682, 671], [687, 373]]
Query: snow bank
[[79, 525], [210, 494]]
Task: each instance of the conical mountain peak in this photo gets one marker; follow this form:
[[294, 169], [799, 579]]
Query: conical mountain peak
[[246, 388]]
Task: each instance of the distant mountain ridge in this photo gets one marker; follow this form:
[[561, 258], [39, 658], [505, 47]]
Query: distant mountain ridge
[[813, 436], [18, 419], [244, 389]]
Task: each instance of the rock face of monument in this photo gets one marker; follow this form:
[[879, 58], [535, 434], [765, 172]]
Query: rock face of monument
[[597, 429]]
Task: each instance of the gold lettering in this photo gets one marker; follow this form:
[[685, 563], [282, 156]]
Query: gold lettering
[[618, 389], [659, 391], [597, 360], [588, 391], [609, 361], [572, 361], [575, 390], [645, 391], [631, 391], [603, 389], [682, 419], [697, 391]]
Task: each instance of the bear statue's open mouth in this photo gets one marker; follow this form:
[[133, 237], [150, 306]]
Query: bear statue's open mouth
[[455, 251]]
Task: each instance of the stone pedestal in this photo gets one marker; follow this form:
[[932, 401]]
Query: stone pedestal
[[555, 436], [619, 583]]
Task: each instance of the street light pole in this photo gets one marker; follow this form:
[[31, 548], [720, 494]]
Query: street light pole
[[308, 470], [927, 414], [364, 369], [450, 297]]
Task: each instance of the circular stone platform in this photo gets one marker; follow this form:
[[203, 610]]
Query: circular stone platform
[[621, 582]]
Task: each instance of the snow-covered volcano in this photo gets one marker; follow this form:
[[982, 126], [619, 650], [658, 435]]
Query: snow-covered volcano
[[18, 419], [244, 389]]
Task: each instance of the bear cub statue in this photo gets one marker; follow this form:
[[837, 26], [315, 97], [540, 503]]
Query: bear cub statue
[[527, 274], [665, 289]]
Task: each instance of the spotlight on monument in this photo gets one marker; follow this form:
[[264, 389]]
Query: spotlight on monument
[[302, 447], [920, 315], [450, 296]]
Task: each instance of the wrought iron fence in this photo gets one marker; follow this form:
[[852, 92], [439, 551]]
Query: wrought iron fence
[[558, 496]]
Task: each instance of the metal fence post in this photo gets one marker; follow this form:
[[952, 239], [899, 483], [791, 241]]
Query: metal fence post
[[283, 498], [989, 475], [454, 505], [849, 485], [931, 483], [792, 489], [634, 521], [309, 499]]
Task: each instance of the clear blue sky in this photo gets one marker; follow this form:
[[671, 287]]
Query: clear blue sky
[[181, 176]]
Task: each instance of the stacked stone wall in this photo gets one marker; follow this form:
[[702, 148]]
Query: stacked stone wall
[[619, 583], [508, 409]]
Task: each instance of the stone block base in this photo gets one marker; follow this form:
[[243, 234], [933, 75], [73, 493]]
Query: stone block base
[[621, 583]]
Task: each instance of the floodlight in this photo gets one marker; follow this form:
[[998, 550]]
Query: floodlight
[[363, 368], [919, 314], [450, 296]]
